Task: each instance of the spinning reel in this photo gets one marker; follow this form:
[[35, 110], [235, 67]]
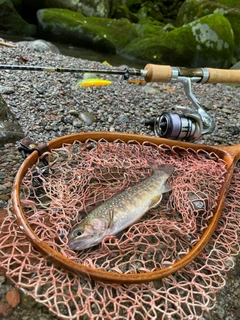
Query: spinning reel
[[184, 123]]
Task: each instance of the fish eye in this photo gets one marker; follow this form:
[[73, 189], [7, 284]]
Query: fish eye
[[79, 233]]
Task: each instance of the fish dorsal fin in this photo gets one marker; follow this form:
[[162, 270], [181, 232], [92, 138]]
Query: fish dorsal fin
[[155, 201]]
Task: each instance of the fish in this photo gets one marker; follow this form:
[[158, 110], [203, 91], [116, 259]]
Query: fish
[[121, 211]]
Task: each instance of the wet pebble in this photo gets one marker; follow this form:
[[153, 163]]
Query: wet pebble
[[73, 113], [150, 89], [77, 123], [110, 119], [5, 310], [13, 297], [67, 120], [237, 313], [87, 117], [4, 197], [8, 184], [234, 130], [220, 312], [226, 110], [123, 119], [6, 90]]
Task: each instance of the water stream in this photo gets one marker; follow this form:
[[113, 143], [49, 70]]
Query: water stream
[[83, 53]]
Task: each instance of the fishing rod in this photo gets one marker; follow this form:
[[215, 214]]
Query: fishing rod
[[151, 72], [124, 72], [186, 123]]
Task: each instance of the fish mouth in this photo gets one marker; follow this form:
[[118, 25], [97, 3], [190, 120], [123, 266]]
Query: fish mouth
[[76, 244]]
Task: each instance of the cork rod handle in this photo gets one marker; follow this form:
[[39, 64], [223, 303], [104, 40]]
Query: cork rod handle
[[163, 73], [223, 76], [158, 73]]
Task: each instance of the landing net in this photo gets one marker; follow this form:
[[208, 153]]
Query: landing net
[[82, 175]]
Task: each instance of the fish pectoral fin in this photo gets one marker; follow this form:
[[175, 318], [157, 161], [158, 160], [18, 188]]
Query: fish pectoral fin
[[166, 187], [111, 215], [155, 201]]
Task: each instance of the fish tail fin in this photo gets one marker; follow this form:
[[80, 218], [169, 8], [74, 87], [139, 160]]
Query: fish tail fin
[[167, 168]]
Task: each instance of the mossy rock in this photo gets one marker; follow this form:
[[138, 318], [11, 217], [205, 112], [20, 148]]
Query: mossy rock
[[206, 42], [145, 16], [146, 23], [87, 7], [134, 5], [124, 12], [12, 22], [105, 35], [192, 9], [230, 9], [148, 29]]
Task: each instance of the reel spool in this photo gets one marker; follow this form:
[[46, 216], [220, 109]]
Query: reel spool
[[176, 127]]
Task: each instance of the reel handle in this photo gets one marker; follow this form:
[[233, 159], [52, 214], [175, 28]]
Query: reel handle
[[163, 73]]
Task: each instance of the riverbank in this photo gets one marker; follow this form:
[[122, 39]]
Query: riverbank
[[49, 105], [82, 53]]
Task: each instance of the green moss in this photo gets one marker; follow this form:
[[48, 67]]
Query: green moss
[[230, 9], [192, 9], [120, 32], [213, 31], [69, 18], [146, 29], [228, 3], [205, 42], [167, 49], [124, 12], [101, 33]]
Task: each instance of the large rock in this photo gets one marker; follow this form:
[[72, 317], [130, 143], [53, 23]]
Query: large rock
[[192, 10], [11, 21], [10, 131], [206, 42], [70, 27], [39, 45], [93, 8], [124, 12], [97, 8]]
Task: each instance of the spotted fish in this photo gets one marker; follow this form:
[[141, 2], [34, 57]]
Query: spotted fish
[[121, 211]]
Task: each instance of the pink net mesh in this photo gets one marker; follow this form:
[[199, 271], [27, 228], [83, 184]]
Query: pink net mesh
[[80, 177]]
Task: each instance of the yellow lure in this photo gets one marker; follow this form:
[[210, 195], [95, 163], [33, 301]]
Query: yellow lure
[[94, 82]]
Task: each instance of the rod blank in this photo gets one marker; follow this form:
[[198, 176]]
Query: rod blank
[[71, 70], [151, 72]]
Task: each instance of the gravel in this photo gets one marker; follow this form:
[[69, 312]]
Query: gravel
[[48, 105]]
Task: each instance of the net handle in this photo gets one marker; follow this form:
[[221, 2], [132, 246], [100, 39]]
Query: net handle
[[230, 157], [163, 73]]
